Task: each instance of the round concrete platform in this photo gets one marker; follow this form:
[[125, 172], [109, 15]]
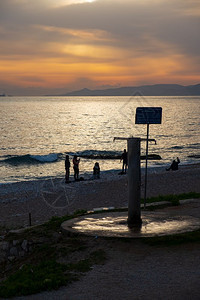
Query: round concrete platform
[[114, 224]]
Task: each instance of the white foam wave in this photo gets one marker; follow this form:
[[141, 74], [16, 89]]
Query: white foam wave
[[45, 158]]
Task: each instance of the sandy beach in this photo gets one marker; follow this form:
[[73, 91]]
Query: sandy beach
[[133, 270], [44, 199]]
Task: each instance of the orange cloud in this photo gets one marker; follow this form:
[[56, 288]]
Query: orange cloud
[[103, 43], [57, 72]]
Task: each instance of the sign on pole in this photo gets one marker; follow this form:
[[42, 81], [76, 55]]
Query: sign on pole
[[148, 115]]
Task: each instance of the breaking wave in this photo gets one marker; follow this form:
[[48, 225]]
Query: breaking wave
[[95, 154], [29, 159]]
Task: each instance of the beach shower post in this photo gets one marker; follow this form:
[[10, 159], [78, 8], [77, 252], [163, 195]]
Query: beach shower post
[[144, 115], [134, 180]]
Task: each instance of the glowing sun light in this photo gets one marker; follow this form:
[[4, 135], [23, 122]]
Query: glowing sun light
[[75, 1]]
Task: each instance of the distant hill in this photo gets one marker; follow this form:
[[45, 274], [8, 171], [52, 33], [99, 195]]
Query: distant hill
[[145, 90]]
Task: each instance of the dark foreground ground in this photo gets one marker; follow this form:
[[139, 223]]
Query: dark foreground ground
[[134, 269]]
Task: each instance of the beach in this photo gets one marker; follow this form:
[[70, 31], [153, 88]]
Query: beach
[[34, 202], [133, 270]]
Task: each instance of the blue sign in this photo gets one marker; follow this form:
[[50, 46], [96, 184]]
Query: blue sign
[[148, 115]]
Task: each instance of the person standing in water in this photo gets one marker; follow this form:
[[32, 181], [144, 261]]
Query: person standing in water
[[67, 167], [124, 158], [76, 167]]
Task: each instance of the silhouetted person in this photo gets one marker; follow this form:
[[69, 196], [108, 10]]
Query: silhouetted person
[[96, 171], [76, 167], [67, 167], [124, 158], [174, 165]]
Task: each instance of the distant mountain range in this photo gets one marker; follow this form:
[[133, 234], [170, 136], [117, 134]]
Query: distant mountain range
[[145, 90]]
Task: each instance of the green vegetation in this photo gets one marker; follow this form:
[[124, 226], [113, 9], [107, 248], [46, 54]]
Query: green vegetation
[[174, 199], [47, 275], [50, 264], [46, 229], [32, 279], [41, 274], [55, 222]]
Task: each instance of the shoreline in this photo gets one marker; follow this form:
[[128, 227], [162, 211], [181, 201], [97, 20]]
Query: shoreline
[[104, 174], [44, 199]]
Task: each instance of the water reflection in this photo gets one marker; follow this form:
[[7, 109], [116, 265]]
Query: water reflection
[[44, 125]]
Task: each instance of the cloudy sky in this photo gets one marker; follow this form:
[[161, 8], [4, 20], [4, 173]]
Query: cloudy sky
[[56, 46]]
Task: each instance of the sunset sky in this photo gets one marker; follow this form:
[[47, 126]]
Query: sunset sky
[[56, 46]]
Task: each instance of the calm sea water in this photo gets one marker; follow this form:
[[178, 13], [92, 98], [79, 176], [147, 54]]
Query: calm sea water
[[37, 132]]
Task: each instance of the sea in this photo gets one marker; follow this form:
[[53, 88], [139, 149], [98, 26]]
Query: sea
[[37, 132]]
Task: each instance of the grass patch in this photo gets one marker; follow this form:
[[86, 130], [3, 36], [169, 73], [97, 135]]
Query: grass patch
[[33, 279], [172, 240], [47, 275], [46, 229], [174, 199], [155, 207], [55, 222]]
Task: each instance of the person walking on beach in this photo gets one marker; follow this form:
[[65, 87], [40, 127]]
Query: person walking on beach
[[124, 158], [67, 167], [76, 167], [174, 165]]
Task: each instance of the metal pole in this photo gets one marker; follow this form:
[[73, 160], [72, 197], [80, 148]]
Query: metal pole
[[134, 182], [145, 185]]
